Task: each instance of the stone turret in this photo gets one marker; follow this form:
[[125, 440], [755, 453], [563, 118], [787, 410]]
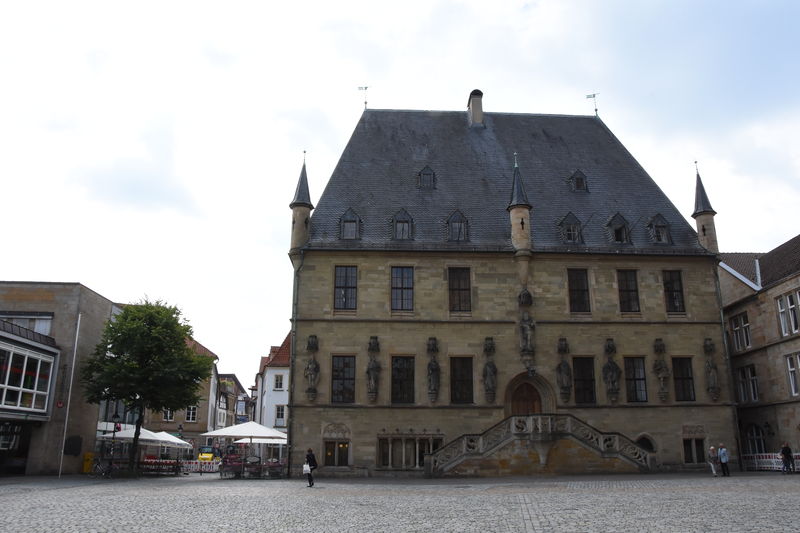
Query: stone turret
[[301, 216], [519, 210], [704, 218]]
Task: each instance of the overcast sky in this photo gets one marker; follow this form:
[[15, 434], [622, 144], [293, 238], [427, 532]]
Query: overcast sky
[[151, 149]]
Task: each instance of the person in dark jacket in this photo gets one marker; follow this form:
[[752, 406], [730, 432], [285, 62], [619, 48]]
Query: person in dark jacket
[[788, 459], [311, 461]]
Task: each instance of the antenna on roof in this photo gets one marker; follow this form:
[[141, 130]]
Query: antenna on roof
[[304, 157], [593, 96], [696, 169], [364, 88]]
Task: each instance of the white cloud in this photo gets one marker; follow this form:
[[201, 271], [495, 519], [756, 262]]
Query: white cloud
[[153, 148]]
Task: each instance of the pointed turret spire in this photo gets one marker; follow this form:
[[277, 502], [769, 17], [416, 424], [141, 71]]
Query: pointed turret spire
[[518, 196], [701, 203], [301, 195]]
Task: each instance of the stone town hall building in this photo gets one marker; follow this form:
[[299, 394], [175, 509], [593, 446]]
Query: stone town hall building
[[501, 293]]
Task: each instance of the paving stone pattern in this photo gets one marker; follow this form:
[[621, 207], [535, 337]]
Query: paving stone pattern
[[680, 502]]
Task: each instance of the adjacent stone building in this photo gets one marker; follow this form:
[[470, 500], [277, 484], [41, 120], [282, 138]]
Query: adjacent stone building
[[761, 296], [48, 330], [501, 293]]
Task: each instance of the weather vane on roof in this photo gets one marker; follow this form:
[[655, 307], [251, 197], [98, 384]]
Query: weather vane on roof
[[364, 88], [593, 96]]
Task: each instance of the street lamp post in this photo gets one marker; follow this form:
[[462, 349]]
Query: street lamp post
[[115, 422]]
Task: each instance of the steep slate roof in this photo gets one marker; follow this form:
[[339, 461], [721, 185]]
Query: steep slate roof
[[701, 203], [780, 262], [742, 262], [377, 175]]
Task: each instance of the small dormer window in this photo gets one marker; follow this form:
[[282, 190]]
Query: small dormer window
[[570, 228], [619, 230], [402, 226], [659, 230], [350, 225], [427, 178], [578, 181], [457, 227]]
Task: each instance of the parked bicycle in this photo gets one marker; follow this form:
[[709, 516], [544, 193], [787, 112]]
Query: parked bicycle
[[102, 468]]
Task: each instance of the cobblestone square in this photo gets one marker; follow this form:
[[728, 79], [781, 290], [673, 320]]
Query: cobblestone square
[[667, 502]]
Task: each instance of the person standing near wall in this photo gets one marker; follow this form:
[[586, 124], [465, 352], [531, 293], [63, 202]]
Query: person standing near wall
[[713, 460], [722, 453]]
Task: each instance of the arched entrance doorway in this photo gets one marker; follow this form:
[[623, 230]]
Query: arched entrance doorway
[[525, 400], [528, 395]]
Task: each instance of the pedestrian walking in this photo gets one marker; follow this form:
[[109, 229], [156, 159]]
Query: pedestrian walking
[[788, 459], [713, 460], [310, 466], [722, 454]]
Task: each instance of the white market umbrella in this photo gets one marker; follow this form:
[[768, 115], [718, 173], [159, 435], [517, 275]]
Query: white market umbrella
[[250, 430], [272, 440], [172, 441], [145, 436]]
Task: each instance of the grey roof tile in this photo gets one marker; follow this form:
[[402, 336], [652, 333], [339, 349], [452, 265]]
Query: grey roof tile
[[377, 175]]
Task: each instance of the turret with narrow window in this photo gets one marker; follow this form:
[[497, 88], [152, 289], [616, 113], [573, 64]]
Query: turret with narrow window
[[704, 218], [301, 216]]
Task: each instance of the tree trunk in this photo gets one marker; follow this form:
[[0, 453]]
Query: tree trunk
[[134, 452]]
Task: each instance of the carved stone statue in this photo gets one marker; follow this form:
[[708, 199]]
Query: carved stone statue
[[611, 375], [311, 373], [373, 372], [712, 381], [661, 370], [526, 328], [564, 379], [490, 380], [433, 377]]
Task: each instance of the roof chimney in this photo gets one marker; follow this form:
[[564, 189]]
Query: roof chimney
[[475, 108]]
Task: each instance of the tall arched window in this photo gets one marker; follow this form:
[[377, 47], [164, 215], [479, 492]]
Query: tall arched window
[[755, 439]]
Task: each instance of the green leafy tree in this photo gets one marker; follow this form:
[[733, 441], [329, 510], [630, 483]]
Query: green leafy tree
[[143, 359]]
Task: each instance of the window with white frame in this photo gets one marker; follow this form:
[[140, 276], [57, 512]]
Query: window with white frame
[[279, 382], [169, 415], [792, 362], [222, 418], [191, 413], [788, 315], [748, 384], [740, 327], [24, 378], [280, 415]]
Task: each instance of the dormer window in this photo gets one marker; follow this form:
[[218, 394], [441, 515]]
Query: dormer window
[[350, 225], [619, 229], [578, 181], [402, 226], [457, 227], [427, 178], [570, 228], [659, 230]]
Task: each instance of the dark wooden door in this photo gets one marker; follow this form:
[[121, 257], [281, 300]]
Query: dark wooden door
[[526, 400]]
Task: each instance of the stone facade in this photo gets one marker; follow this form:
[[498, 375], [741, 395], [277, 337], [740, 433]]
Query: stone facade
[[762, 322], [78, 319], [432, 315], [494, 313]]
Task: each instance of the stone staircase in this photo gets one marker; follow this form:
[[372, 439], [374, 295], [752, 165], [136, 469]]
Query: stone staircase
[[542, 431]]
